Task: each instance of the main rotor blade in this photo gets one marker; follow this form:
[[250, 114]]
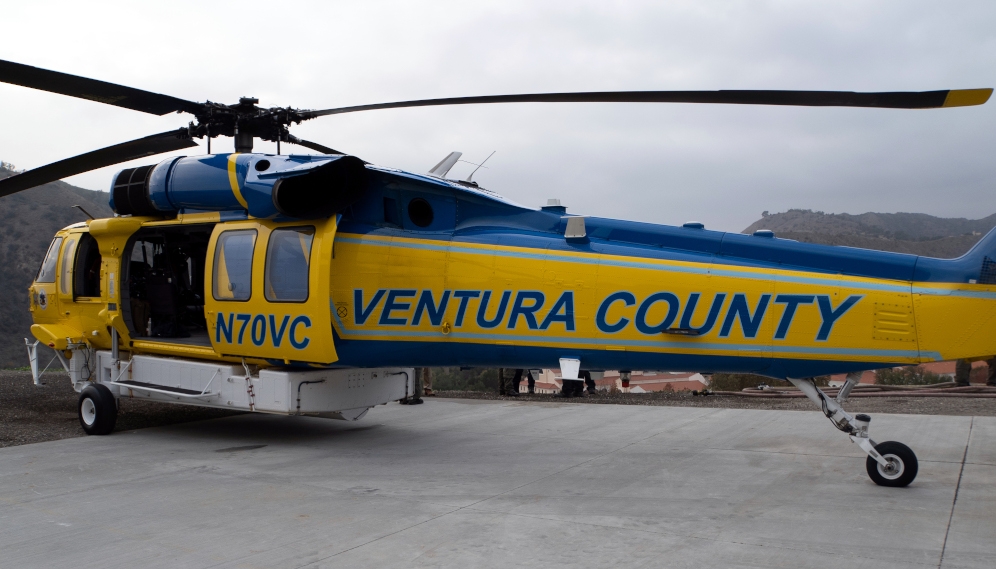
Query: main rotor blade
[[312, 145], [139, 148], [93, 90], [886, 100]]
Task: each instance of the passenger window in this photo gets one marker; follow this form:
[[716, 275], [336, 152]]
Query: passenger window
[[66, 277], [233, 265], [287, 260], [46, 274]]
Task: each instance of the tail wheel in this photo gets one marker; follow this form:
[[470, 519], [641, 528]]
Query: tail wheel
[[901, 469], [98, 412]]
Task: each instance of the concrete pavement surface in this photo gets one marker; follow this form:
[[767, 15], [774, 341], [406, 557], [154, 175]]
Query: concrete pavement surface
[[463, 483]]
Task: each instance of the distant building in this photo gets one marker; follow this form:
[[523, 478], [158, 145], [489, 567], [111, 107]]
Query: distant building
[[943, 369]]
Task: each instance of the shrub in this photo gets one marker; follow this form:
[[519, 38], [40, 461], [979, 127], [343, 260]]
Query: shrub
[[741, 381], [911, 375], [471, 379]]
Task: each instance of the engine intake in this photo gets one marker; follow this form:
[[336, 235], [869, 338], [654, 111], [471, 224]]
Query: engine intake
[[130, 192], [323, 191]]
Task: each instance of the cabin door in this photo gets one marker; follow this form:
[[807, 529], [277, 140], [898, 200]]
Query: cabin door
[[267, 290]]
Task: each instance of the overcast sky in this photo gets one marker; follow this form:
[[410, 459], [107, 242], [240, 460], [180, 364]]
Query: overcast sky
[[722, 165]]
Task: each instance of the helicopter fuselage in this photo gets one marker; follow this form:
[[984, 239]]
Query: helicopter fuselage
[[423, 271]]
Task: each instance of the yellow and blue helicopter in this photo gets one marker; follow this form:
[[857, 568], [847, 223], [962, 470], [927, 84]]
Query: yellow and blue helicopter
[[239, 280]]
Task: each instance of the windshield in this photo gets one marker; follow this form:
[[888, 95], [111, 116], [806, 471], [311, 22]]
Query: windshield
[[46, 274]]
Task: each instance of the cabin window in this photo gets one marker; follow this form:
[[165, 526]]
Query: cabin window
[[233, 265], [87, 271], [420, 212], [66, 277], [46, 274], [287, 260]]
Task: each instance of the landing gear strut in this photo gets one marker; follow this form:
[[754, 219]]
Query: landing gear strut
[[889, 463]]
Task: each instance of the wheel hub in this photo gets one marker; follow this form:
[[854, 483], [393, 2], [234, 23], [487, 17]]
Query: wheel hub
[[894, 469], [88, 411]]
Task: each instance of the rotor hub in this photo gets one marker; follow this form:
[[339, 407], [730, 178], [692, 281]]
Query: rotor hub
[[244, 121]]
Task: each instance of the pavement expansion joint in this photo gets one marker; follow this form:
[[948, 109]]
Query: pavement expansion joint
[[954, 501]]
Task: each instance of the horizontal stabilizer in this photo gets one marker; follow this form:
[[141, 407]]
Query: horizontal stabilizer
[[440, 170]]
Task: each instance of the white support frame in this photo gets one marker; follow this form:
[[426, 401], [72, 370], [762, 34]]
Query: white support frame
[[856, 430], [33, 361]]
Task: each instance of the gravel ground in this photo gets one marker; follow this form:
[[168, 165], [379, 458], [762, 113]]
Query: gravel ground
[[30, 414], [901, 405]]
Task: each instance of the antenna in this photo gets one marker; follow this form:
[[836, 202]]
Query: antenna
[[79, 207], [471, 175]]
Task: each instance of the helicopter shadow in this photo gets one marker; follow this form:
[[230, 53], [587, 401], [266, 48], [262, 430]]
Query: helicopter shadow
[[240, 432]]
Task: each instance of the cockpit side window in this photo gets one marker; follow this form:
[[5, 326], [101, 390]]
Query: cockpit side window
[[233, 265], [46, 274], [66, 276], [288, 255]]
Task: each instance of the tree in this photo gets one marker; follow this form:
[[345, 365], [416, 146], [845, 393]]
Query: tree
[[963, 369], [910, 375]]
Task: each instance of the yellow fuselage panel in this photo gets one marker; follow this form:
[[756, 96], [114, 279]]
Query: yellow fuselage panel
[[399, 289]]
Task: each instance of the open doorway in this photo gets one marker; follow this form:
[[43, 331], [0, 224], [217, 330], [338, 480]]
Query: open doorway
[[163, 284], [87, 271]]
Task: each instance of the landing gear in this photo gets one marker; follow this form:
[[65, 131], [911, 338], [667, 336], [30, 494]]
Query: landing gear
[[889, 463], [98, 411], [901, 467]]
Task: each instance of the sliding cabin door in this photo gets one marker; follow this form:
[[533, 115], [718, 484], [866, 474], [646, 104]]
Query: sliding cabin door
[[267, 290]]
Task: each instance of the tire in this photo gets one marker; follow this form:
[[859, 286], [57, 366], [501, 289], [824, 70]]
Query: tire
[[900, 455], [97, 410]]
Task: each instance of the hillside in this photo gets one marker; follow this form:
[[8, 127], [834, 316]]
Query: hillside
[[30, 218], [915, 233]]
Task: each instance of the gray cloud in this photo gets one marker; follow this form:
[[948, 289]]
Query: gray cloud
[[660, 163]]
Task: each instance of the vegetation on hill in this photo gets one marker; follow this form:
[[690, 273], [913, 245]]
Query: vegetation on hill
[[914, 233], [29, 220]]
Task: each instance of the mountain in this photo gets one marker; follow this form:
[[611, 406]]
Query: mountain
[[29, 220], [915, 233]]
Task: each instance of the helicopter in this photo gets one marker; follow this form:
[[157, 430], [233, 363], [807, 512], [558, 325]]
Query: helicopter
[[314, 284]]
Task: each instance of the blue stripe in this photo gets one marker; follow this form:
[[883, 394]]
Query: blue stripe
[[902, 288], [519, 340], [388, 353], [958, 293], [494, 219]]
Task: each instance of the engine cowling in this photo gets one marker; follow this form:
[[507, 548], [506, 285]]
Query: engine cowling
[[264, 186]]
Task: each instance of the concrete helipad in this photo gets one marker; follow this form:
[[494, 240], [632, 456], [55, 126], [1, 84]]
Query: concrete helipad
[[491, 484]]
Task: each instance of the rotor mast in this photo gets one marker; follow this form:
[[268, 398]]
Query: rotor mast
[[243, 135]]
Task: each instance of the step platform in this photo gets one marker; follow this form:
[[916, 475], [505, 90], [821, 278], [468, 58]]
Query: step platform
[[333, 393]]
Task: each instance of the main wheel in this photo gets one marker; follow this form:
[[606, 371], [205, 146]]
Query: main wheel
[[97, 410], [902, 466]]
